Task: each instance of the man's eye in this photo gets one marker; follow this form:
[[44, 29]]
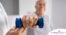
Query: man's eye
[[42, 4]]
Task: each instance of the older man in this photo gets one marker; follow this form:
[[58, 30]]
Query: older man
[[40, 12], [32, 27]]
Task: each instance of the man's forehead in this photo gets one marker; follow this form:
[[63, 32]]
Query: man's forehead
[[40, 2]]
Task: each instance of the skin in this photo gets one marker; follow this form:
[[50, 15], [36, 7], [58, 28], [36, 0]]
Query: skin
[[16, 31], [29, 21], [25, 21], [32, 21]]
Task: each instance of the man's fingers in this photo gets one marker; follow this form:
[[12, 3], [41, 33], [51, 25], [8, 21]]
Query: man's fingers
[[25, 20]]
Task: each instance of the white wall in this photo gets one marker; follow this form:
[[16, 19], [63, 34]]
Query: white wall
[[11, 6], [59, 13], [26, 6]]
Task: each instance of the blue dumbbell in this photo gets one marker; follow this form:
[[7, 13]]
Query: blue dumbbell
[[19, 23], [40, 22]]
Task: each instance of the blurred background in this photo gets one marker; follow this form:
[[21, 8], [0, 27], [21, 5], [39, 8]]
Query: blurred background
[[55, 9]]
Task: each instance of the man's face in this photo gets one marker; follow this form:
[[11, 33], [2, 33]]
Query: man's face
[[40, 7]]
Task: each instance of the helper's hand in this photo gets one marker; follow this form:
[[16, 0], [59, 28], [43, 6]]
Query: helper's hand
[[16, 31]]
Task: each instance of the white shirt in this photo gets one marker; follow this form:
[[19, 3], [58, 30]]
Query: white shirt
[[40, 31], [45, 30]]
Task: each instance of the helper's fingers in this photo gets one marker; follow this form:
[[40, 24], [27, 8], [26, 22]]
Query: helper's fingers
[[12, 31], [16, 32], [22, 31]]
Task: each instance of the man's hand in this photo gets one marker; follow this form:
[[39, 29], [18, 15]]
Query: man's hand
[[16, 31], [25, 21], [32, 21], [29, 21]]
